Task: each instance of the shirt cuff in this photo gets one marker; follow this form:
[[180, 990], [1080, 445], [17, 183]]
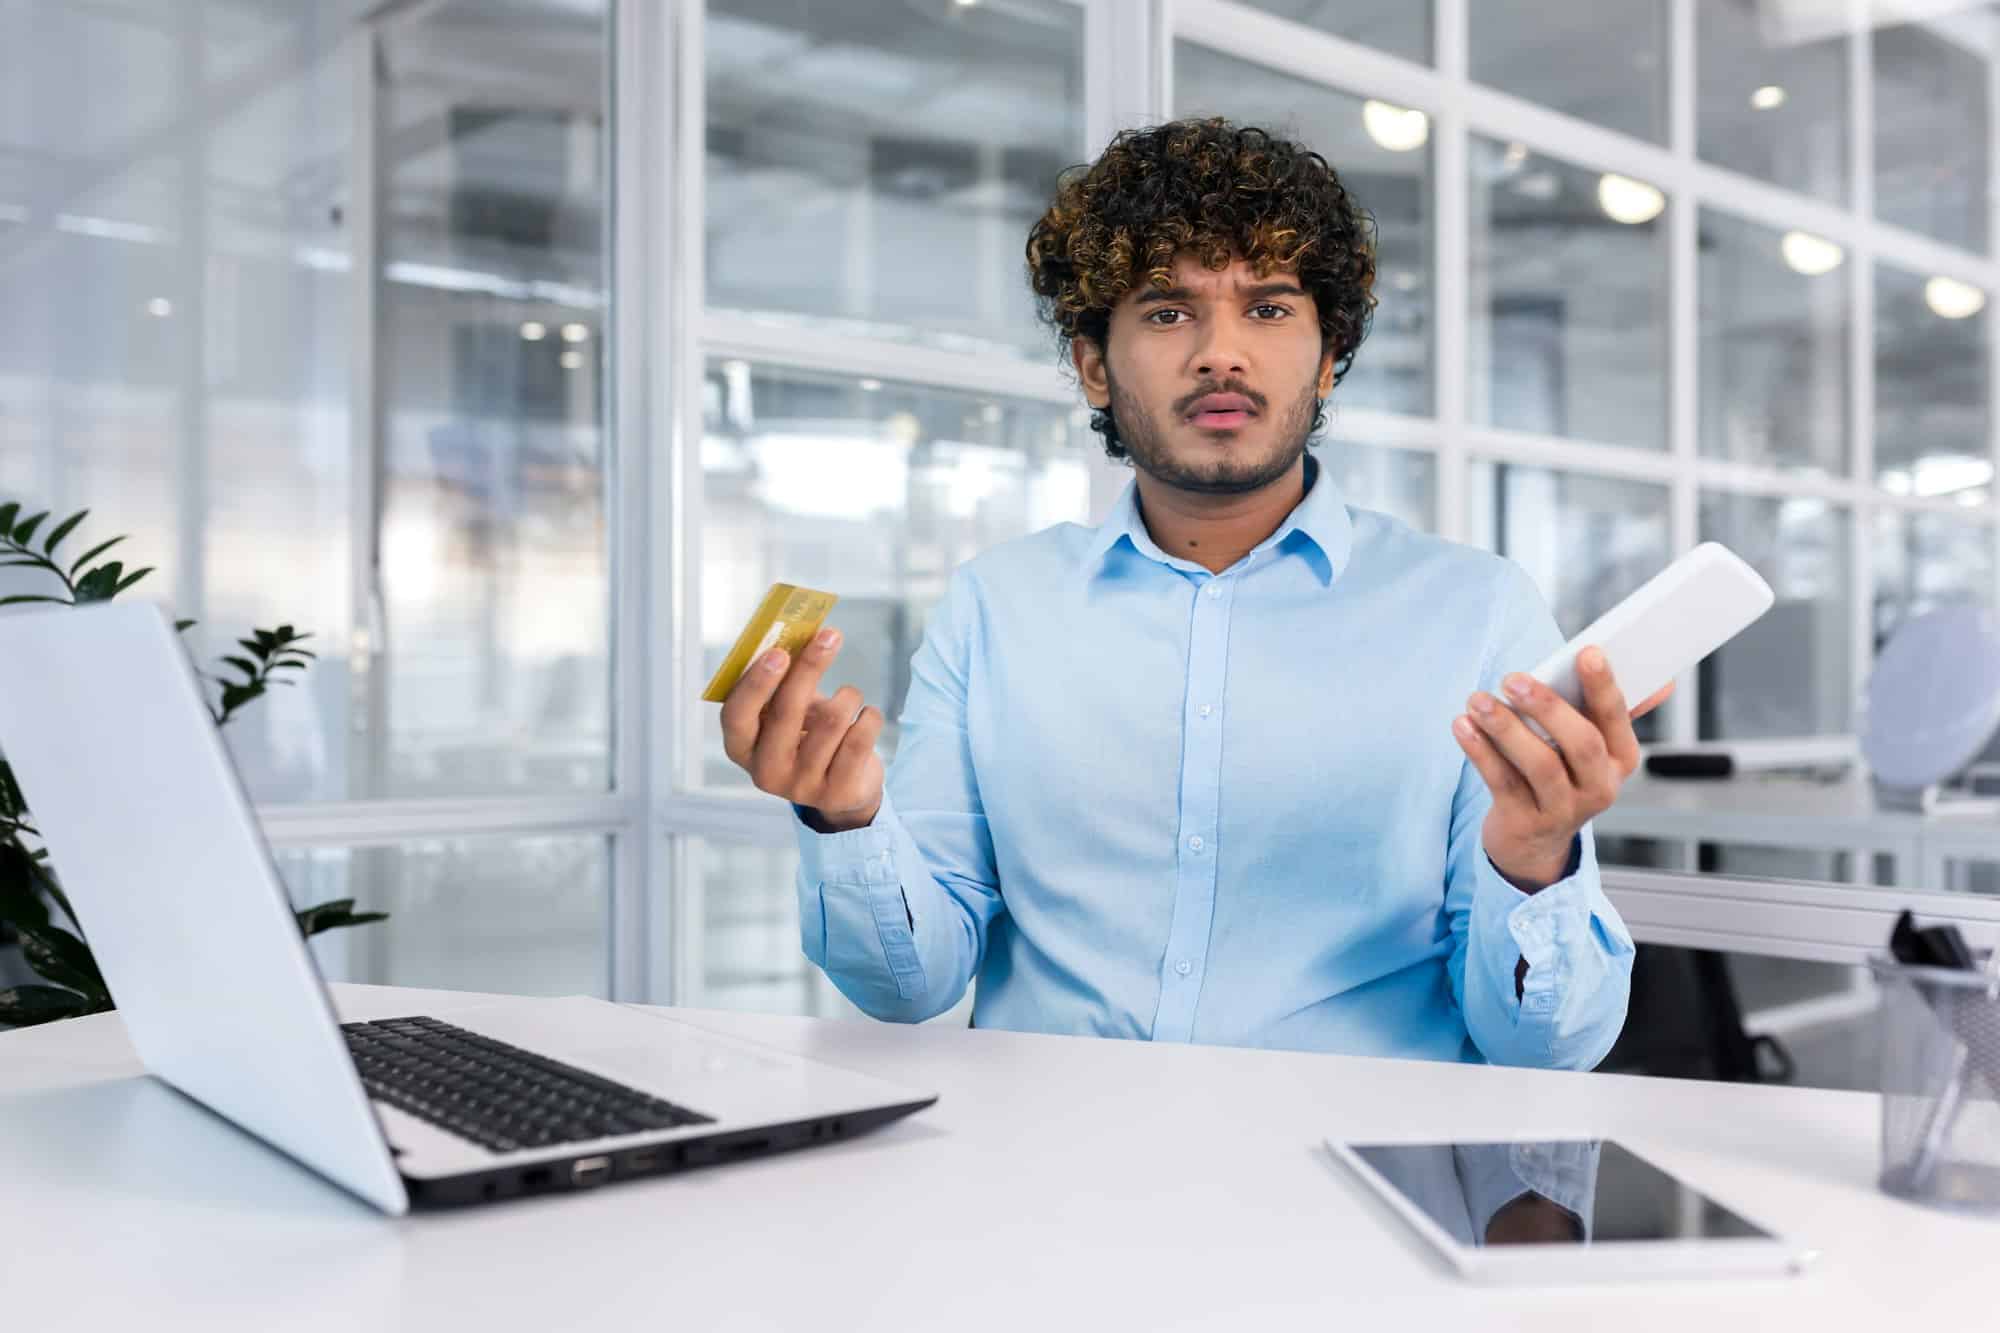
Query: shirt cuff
[[1545, 928], [846, 855]]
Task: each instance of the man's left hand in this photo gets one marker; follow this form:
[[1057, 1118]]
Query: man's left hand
[[1543, 797]]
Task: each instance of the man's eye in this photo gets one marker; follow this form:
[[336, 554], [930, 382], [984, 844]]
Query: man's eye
[[1276, 310], [1157, 317]]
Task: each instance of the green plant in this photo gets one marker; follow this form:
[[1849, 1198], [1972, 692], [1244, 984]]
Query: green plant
[[30, 896]]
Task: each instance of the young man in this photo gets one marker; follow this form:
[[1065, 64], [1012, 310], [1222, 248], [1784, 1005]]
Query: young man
[[1229, 768]]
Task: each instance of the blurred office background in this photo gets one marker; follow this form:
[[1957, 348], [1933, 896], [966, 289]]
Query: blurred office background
[[513, 347]]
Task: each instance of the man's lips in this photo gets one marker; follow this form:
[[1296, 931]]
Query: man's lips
[[1221, 411]]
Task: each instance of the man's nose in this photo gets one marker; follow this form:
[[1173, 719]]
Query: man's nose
[[1220, 355]]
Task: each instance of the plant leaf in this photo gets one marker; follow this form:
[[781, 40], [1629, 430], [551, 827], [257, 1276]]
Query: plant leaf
[[130, 579], [256, 650], [12, 803], [92, 554], [7, 512], [20, 902], [243, 664], [61, 957], [25, 1006], [16, 601], [24, 531], [62, 530], [280, 666], [34, 560], [334, 915], [183, 626]]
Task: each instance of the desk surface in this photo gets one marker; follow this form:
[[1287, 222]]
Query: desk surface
[[1059, 1183]]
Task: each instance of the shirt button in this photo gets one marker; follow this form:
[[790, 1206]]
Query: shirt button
[[1215, 590], [1183, 967], [1195, 842], [1206, 709]]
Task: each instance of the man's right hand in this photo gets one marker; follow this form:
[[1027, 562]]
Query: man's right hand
[[814, 751]]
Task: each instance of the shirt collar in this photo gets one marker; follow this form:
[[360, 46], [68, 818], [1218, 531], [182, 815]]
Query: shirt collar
[[1319, 525]]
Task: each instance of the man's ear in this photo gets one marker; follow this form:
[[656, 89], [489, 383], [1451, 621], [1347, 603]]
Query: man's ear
[[1088, 357], [1324, 384]]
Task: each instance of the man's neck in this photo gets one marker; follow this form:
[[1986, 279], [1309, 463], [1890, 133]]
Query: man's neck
[[1215, 531]]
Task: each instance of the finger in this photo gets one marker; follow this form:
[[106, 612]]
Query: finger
[[827, 721], [1584, 751], [785, 715], [1605, 703], [1500, 776], [1654, 700], [1540, 766], [742, 710], [855, 775]]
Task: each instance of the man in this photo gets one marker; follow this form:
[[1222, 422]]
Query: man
[[1229, 768]]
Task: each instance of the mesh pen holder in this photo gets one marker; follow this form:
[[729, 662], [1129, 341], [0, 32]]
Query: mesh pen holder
[[1940, 1033]]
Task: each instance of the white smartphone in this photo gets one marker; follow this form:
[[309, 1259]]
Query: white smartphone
[[1676, 618]]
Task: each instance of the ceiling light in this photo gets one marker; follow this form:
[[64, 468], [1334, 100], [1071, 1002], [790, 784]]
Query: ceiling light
[[575, 333], [871, 386], [534, 331], [1949, 298], [571, 360], [1768, 98], [1516, 154], [1809, 254], [1626, 200], [1398, 129], [159, 307]]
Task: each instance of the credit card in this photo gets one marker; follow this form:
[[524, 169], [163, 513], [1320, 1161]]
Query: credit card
[[788, 619]]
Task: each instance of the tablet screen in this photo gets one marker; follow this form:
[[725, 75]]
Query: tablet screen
[[1560, 1192]]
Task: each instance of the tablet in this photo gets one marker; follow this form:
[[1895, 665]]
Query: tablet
[[1563, 1210]]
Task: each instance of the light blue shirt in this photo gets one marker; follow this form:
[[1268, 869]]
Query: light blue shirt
[[1136, 799]]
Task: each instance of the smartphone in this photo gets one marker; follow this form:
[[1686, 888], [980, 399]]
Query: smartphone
[[1679, 616]]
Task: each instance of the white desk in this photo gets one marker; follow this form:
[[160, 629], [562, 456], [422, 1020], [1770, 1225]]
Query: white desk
[[1791, 812], [1059, 1184]]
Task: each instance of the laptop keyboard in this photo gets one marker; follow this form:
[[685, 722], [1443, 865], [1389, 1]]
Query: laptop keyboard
[[499, 1096]]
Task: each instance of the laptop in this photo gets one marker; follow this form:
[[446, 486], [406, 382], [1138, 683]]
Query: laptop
[[160, 853]]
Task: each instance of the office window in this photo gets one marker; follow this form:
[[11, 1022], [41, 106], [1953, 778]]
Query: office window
[[1399, 482], [874, 169], [873, 489], [1568, 299], [1381, 152], [520, 916], [1396, 26], [1772, 90], [1925, 560], [1933, 387], [1931, 126], [185, 370], [1791, 673], [1586, 541], [1605, 62], [1773, 336]]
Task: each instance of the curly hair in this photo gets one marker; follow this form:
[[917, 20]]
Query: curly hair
[[1219, 191]]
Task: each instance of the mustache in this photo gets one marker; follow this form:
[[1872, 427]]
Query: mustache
[[1186, 405]]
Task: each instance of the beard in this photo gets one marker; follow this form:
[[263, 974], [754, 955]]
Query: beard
[[1231, 470]]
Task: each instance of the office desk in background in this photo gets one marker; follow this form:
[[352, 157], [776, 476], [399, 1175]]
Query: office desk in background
[[1791, 812], [1060, 1183]]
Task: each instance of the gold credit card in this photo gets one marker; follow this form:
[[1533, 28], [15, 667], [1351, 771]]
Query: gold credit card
[[788, 619]]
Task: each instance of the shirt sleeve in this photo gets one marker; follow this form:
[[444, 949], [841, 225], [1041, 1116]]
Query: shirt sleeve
[[1571, 1005], [896, 912]]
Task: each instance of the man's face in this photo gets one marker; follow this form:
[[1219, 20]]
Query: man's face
[[1214, 380]]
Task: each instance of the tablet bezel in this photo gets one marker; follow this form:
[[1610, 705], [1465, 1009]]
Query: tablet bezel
[[1609, 1261]]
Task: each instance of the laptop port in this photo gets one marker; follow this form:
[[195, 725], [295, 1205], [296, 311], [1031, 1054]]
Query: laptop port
[[642, 1159], [590, 1171]]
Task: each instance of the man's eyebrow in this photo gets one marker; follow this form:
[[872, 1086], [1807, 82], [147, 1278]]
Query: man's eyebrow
[[1156, 295]]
